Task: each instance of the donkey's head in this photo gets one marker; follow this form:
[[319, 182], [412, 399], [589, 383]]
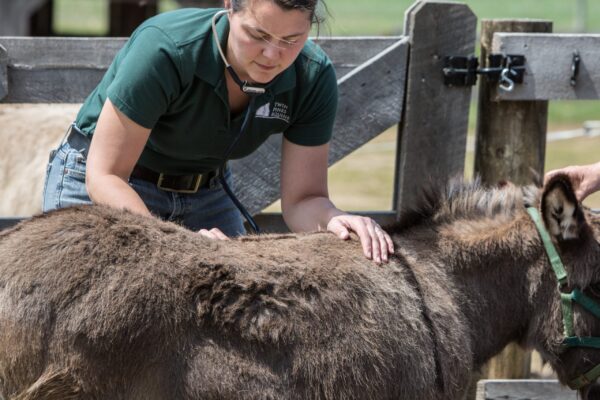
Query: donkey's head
[[573, 333]]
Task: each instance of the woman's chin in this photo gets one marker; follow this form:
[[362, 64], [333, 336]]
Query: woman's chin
[[263, 77]]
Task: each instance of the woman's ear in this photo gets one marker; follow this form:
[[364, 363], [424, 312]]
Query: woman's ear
[[227, 4], [562, 213]]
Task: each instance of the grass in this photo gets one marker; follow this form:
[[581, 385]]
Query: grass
[[356, 17]]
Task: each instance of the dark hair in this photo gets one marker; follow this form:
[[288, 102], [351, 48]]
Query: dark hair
[[316, 8]]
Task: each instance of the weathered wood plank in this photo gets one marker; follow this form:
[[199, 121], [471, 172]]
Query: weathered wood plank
[[56, 70], [370, 101], [433, 132], [273, 222], [38, 67], [348, 53], [511, 135], [548, 67], [51, 85], [519, 389], [8, 222], [3, 72]]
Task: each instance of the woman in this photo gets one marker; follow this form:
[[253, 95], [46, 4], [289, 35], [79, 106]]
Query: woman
[[168, 109]]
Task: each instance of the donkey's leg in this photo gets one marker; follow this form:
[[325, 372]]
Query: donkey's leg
[[54, 384]]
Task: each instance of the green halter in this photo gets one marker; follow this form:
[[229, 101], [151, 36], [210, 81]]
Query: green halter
[[567, 299]]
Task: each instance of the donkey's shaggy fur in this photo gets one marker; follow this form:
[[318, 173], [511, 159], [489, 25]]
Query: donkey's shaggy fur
[[97, 303]]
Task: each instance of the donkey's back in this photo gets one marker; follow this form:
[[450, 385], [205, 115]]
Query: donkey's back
[[100, 303]]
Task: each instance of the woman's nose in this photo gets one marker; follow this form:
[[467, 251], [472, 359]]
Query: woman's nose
[[271, 51]]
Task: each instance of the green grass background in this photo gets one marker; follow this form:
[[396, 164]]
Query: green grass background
[[363, 181], [357, 17]]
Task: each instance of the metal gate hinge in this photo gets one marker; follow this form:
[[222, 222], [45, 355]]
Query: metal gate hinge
[[504, 69]]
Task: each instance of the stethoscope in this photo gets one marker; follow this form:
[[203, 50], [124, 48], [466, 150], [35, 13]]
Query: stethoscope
[[253, 91]]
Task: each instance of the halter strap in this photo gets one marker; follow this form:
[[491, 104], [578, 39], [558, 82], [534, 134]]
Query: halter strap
[[567, 299], [555, 261]]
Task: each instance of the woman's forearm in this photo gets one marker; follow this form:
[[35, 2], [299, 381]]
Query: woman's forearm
[[115, 192], [310, 214]]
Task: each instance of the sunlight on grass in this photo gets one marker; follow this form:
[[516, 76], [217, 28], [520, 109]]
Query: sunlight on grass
[[80, 17], [363, 181]]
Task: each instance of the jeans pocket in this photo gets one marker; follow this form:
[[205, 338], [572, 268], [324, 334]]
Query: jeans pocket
[[73, 190], [75, 165]]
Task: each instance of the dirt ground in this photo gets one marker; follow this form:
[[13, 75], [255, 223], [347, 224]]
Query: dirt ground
[[27, 134]]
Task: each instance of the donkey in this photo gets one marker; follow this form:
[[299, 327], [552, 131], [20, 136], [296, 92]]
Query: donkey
[[99, 303]]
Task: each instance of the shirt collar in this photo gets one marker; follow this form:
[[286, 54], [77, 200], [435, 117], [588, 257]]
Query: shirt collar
[[212, 71]]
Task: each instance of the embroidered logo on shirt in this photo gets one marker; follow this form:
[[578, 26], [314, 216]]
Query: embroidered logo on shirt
[[279, 111]]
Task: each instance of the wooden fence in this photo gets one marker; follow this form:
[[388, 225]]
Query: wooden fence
[[383, 82]]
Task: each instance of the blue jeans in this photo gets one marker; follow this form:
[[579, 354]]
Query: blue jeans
[[210, 207]]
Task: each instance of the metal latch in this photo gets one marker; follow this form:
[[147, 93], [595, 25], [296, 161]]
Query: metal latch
[[504, 69]]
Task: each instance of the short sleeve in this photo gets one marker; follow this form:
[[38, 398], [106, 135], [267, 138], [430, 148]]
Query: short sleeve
[[147, 78], [316, 115]]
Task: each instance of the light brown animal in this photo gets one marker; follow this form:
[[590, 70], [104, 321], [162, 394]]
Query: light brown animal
[[97, 303]]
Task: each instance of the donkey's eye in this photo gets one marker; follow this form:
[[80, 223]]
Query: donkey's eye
[[558, 210]]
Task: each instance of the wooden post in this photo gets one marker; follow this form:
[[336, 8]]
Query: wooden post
[[40, 22], [510, 143], [126, 15], [15, 16], [511, 135], [433, 131]]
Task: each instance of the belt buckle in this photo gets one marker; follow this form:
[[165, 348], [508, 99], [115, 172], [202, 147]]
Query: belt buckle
[[196, 185]]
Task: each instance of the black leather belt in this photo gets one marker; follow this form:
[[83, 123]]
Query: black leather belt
[[174, 183], [189, 183]]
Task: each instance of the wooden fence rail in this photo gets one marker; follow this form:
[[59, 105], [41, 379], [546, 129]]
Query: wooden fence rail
[[520, 389]]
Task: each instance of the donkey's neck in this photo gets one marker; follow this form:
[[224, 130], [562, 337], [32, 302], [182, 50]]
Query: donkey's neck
[[492, 263]]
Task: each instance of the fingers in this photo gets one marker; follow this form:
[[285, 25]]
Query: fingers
[[375, 242], [214, 233], [381, 243]]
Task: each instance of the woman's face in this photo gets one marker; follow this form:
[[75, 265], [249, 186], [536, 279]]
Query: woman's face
[[265, 39]]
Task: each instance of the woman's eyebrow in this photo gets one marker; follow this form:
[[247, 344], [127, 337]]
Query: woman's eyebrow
[[262, 31]]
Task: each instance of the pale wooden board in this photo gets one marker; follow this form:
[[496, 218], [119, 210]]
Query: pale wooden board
[[548, 65], [519, 389], [56, 70], [66, 70], [370, 101], [348, 53], [433, 132]]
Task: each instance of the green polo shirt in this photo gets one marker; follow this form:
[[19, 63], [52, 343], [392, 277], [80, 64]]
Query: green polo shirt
[[169, 77]]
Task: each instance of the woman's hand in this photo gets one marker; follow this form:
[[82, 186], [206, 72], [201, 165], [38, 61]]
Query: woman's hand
[[376, 243], [214, 233], [585, 178]]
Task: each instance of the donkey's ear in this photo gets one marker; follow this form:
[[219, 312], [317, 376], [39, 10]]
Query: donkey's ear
[[561, 212]]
